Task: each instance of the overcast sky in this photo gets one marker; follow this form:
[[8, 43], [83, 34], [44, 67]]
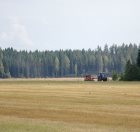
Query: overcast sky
[[68, 24]]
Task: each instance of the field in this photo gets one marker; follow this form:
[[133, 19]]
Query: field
[[69, 105]]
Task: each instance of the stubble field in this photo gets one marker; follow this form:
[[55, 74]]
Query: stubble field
[[69, 105]]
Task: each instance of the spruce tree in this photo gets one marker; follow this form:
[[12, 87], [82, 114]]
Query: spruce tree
[[1, 64], [138, 59], [138, 64], [127, 73]]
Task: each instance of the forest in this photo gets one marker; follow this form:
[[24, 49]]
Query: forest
[[66, 63]]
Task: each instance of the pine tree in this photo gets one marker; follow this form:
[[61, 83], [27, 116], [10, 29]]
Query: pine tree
[[66, 64], [138, 59], [127, 73], [75, 69], [56, 65], [1, 64]]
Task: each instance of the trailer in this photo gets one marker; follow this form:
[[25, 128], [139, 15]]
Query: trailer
[[89, 78]]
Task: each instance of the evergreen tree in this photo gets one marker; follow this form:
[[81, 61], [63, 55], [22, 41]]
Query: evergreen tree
[[66, 65], [1, 64], [56, 66], [127, 73], [138, 59], [75, 69], [99, 62], [132, 72]]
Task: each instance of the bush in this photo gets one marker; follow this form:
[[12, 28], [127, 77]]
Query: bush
[[114, 76], [121, 77]]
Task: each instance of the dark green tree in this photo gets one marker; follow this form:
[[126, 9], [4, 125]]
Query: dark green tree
[[127, 73], [1, 64], [132, 72], [138, 59], [114, 76]]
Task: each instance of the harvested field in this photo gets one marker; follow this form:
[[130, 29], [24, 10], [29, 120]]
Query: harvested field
[[69, 105]]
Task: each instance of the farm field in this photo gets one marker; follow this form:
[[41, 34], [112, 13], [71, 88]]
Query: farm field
[[69, 105]]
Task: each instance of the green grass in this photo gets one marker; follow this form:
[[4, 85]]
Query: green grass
[[68, 105]]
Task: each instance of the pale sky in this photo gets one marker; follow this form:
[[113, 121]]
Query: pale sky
[[68, 24]]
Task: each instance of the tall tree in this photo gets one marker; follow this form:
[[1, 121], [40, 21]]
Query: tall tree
[[75, 69], [1, 64], [127, 74], [66, 64], [56, 66], [138, 59], [99, 62]]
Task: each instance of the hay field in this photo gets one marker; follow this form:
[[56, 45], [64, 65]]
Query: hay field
[[57, 105]]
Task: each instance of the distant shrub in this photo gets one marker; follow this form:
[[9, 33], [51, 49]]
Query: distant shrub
[[121, 77], [114, 76]]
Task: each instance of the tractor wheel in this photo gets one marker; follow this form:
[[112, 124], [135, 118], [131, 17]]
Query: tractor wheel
[[105, 79]]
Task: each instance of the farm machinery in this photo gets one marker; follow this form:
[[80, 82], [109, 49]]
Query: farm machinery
[[101, 77], [89, 78]]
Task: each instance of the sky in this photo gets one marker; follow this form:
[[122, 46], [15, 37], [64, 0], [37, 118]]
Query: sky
[[68, 24]]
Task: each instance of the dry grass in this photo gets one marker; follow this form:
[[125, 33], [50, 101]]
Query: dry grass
[[69, 105]]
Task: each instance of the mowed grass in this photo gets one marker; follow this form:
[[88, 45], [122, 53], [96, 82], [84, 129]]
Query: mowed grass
[[69, 105]]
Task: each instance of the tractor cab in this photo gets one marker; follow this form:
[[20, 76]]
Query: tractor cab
[[102, 76]]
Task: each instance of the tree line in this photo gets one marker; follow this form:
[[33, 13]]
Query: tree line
[[66, 63]]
